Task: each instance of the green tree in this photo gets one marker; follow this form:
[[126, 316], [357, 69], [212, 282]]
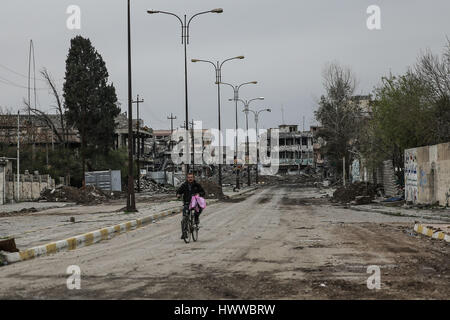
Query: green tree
[[410, 110], [402, 118], [90, 102]]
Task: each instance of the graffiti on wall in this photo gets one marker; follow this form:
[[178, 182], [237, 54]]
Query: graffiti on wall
[[411, 175]]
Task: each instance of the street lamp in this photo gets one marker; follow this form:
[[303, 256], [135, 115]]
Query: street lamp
[[218, 69], [256, 113], [236, 99], [131, 201], [185, 41], [246, 110]]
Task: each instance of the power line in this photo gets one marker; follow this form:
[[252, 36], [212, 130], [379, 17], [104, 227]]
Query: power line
[[22, 75], [11, 83]]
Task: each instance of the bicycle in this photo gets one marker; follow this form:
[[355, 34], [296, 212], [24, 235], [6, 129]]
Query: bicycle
[[189, 227]]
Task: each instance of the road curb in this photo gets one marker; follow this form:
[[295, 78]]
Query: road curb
[[429, 232], [399, 214], [90, 238], [85, 239]]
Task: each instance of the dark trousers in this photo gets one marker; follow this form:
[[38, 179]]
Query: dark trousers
[[186, 211]]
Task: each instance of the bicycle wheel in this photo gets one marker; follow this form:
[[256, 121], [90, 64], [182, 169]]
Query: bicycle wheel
[[186, 229], [194, 227], [189, 228]]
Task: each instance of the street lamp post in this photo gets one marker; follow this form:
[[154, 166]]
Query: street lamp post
[[131, 201], [256, 113], [247, 110], [236, 99], [218, 69], [185, 24]]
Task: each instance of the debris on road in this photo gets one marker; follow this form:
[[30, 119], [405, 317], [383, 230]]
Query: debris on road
[[151, 186], [8, 245], [357, 193], [212, 189], [83, 195]]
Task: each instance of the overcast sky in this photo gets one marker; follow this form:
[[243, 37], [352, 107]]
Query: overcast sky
[[286, 44]]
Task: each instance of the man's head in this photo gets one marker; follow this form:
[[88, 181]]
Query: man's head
[[190, 177]]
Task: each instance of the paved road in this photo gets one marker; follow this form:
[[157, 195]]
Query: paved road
[[280, 242]]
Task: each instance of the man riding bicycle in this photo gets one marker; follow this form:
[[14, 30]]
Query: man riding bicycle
[[187, 190]]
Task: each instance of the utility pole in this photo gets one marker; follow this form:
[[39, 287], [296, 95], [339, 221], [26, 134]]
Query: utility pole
[[131, 201], [343, 170], [193, 144], [18, 154], [138, 158], [171, 118]]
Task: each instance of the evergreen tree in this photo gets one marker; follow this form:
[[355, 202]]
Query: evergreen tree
[[90, 102]]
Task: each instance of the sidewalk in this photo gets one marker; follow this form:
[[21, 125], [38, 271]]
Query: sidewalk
[[38, 228], [39, 206], [421, 215]]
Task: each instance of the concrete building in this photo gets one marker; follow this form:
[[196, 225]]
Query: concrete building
[[296, 149], [318, 143], [163, 143], [142, 142]]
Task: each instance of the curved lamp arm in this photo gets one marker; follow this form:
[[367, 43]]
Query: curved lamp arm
[[264, 110], [228, 84], [234, 58], [166, 12], [218, 10], [200, 60], [243, 84]]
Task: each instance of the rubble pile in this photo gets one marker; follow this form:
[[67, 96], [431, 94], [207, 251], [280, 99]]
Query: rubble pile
[[151, 186], [358, 193], [212, 189], [83, 195]]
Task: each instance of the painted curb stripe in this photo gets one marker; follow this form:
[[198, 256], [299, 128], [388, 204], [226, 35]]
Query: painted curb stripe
[[430, 233]]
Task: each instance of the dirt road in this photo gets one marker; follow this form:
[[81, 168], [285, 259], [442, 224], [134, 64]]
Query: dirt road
[[280, 242]]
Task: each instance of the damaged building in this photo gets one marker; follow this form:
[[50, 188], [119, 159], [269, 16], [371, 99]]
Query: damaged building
[[296, 149]]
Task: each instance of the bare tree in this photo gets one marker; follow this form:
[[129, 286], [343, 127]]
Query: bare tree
[[434, 71], [338, 114], [339, 82], [59, 104]]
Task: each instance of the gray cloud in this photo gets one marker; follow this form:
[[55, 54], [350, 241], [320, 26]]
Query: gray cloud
[[286, 44]]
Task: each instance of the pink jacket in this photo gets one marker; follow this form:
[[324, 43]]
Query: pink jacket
[[196, 202]]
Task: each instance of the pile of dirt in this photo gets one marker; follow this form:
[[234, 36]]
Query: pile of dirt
[[83, 195], [360, 192], [212, 189]]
